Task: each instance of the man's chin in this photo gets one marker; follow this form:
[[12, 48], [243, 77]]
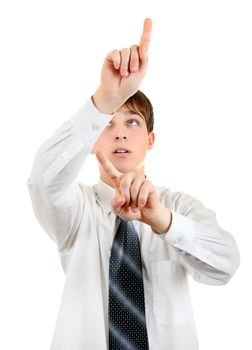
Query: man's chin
[[124, 166]]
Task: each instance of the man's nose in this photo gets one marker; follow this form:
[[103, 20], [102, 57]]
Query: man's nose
[[120, 132], [120, 137]]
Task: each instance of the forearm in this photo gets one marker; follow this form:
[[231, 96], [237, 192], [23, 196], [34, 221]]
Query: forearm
[[209, 253], [57, 197], [203, 248], [60, 158]]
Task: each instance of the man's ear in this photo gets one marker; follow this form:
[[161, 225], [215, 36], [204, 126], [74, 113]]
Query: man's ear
[[151, 138]]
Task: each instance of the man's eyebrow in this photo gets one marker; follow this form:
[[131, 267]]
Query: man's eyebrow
[[132, 112]]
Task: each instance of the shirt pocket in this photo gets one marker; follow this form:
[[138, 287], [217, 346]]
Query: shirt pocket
[[170, 292]]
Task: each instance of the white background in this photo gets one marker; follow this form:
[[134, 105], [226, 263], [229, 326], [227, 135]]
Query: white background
[[200, 83]]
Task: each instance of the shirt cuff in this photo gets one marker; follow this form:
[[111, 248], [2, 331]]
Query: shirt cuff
[[89, 122], [195, 239], [182, 235], [179, 227]]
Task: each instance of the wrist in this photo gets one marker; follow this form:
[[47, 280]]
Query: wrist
[[104, 104], [163, 221]]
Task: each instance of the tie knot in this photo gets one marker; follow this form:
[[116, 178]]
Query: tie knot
[[127, 224], [122, 220]]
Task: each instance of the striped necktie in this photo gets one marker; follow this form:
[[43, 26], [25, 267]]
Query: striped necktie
[[127, 323]]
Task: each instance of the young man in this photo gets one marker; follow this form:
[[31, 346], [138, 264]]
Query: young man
[[130, 293]]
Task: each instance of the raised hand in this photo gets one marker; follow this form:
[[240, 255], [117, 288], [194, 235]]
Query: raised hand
[[135, 197], [122, 73]]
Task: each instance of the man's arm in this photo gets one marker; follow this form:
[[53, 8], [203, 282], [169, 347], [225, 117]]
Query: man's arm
[[208, 252], [56, 196]]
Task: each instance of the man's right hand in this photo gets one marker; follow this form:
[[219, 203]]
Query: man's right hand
[[122, 73]]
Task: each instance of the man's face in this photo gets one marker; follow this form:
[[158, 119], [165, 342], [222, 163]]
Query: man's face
[[125, 140]]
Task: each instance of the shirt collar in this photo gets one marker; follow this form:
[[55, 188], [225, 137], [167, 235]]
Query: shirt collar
[[104, 194]]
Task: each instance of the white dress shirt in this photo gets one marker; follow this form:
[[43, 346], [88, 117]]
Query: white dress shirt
[[80, 220]]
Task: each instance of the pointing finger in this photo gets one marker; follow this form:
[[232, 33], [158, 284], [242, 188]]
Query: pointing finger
[[107, 166], [146, 35]]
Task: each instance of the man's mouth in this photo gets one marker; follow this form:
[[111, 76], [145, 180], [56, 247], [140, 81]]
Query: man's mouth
[[121, 151]]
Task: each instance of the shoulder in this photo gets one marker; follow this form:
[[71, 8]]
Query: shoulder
[[88, 192]]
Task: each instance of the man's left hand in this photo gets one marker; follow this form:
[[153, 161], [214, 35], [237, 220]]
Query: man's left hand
[[135, 197]]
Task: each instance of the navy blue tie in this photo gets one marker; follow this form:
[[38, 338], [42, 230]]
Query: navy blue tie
[[127, 323]]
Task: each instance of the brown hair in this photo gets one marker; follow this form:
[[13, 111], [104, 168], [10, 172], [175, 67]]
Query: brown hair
[[140, 103]]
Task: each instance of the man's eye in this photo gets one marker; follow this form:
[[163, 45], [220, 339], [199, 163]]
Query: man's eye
[[133, 122]]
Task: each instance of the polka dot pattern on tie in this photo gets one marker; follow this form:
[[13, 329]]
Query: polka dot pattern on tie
[[127, 323]]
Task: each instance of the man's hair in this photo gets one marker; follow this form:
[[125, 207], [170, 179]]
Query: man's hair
[[141, 104]]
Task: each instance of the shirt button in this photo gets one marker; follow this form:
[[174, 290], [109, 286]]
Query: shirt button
[[65, 155], [95, 127]]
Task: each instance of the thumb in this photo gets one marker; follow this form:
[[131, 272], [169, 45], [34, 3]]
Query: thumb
[[117, 202]]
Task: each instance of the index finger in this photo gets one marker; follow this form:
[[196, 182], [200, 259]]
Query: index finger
[[106, 164], [146, 35]]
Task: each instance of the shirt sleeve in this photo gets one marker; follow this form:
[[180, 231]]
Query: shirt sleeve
[[57, 197], [209, 253]]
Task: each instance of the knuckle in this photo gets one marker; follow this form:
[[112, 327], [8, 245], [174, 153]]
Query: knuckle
[[143, 193], [125, 50], [141, 201], [134, 191], [124, 186], [114, 52], [134, 47]]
